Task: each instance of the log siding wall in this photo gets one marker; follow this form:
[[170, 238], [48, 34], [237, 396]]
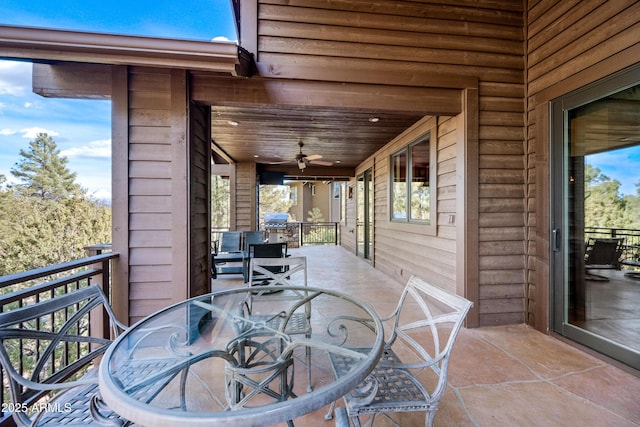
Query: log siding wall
[[482, 40], [569, 44]]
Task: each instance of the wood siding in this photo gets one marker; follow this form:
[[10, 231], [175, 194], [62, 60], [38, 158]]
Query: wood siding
[[570, 44], [158, 201], [481, 40], [244, 198], [200, 199], [405, 249]]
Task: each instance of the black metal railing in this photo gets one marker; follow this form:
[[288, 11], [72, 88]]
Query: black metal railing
[[319, 233], [298, 234], [25, 288]]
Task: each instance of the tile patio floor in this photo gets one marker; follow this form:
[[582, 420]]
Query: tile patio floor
[[498, 376]]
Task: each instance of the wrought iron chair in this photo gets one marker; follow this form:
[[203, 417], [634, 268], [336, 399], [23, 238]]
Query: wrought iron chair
[[262, 250], [263, 306], [602, 254], [260, 374], [424, 326], [259, 366], [49, 353]]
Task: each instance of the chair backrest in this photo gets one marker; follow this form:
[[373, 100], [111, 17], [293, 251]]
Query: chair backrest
[[291, 271], [604, 252], [252, 238], [53, 341], [279, 271], [426, 323], [268, 250], [230, 241]]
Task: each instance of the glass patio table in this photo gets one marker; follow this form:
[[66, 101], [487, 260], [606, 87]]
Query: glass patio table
[[206, 362]]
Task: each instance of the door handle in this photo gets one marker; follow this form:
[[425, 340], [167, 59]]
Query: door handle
[[555, 240]]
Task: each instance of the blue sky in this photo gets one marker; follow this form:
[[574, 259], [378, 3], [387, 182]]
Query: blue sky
[[82, 128], [622, 164]]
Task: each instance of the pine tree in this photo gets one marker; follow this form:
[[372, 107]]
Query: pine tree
[[47, 218], [219, 202], [274, 199], [44, 171]]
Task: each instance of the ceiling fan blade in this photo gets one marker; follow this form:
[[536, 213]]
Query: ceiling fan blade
[[320, 163], [313, 157]]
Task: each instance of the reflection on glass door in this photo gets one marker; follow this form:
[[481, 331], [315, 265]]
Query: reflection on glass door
[[596, 215], [364, 215]]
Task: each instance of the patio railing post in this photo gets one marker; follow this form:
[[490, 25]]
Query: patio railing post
[[100, 321]]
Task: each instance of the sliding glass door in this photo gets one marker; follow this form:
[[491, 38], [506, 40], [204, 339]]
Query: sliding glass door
[[364, 214], [595, 180]]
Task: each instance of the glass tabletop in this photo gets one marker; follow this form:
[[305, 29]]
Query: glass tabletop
[[240, 356]]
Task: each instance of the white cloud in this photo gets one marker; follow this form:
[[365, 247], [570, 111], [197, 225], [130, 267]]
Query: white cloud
[[96, 149], [220, 39], [31, 133], [7, 132], [15, 78]]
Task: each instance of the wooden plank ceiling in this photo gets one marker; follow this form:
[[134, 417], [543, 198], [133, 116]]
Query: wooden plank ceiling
[[269, 135]]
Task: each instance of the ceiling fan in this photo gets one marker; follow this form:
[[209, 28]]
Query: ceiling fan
[[302, 160]]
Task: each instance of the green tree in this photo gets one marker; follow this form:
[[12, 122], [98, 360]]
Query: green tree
[[219, 202], [603, 204], [274, 199], [43, 171], [47, 219], [38, 232]]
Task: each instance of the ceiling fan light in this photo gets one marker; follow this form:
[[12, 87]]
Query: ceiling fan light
[[301, 164]]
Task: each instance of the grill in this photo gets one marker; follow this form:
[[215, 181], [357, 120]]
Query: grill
[[276, 224]]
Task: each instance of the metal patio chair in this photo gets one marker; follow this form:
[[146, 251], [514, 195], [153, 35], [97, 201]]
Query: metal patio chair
[[229, 244], [423, 329], [262, 250], [229, 241], [602, 254], [49, 356], [263, 303], [252, 238]]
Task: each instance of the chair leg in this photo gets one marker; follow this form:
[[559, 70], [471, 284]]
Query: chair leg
[[430, 417], [342, 419], [308, 351], [329, 414]]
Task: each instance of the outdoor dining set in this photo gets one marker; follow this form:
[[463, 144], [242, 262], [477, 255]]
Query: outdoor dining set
[[258, 354]]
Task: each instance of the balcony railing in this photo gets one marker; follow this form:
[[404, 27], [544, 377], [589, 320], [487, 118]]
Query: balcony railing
[[631, 243], [299, 234], [22, 289]]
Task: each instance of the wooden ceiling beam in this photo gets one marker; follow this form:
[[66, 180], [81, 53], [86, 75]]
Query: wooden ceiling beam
[[72, 80], [311, 171], [214, 90]]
